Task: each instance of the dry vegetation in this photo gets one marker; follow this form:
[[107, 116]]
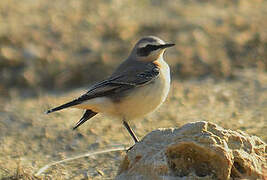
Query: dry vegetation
[[219, 74]]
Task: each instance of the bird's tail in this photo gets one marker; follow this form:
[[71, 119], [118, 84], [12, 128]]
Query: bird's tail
[[87, 115], [63, 106]]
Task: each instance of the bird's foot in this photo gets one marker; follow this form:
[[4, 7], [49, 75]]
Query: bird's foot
[[127, 150]]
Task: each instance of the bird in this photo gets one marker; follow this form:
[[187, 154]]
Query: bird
[[138, 86]]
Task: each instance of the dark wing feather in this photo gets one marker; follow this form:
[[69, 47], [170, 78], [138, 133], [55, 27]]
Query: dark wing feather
[[101, 89], [129, 79]]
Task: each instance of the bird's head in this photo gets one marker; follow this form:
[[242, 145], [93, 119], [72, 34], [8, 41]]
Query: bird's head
[[149, 49]]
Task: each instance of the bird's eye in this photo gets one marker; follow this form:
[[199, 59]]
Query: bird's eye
[[145, 51]]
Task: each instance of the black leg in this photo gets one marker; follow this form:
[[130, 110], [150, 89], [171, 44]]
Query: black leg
[[126, 125]]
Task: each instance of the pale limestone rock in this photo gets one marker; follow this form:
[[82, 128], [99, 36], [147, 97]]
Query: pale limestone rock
[[199, 150]]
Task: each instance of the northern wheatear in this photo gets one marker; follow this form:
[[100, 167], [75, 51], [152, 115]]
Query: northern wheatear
[[137, 87]]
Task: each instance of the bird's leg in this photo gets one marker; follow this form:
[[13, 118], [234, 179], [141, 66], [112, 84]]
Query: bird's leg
[[126, 125]]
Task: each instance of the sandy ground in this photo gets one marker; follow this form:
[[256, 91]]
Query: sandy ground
[[50, 51], [31, 139]]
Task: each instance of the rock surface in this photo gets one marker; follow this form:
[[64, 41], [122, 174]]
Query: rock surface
[[199, 150]]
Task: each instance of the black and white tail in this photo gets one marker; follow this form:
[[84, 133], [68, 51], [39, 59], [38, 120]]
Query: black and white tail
[[86, 116]]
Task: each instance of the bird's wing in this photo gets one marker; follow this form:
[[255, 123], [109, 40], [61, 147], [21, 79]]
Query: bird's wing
[[139, 76], [129, 79]]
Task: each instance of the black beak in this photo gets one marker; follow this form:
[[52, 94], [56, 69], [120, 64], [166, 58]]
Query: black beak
[[163, 46]]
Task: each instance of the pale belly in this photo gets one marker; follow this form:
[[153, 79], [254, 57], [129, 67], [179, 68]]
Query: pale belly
[[143, 100], [139, 102]]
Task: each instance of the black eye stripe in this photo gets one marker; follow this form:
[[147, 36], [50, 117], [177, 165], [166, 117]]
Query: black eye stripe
[[151, 47], [144, 51]]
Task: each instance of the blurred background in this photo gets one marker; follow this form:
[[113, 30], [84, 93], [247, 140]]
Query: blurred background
[[56, 45], [51, 51]]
